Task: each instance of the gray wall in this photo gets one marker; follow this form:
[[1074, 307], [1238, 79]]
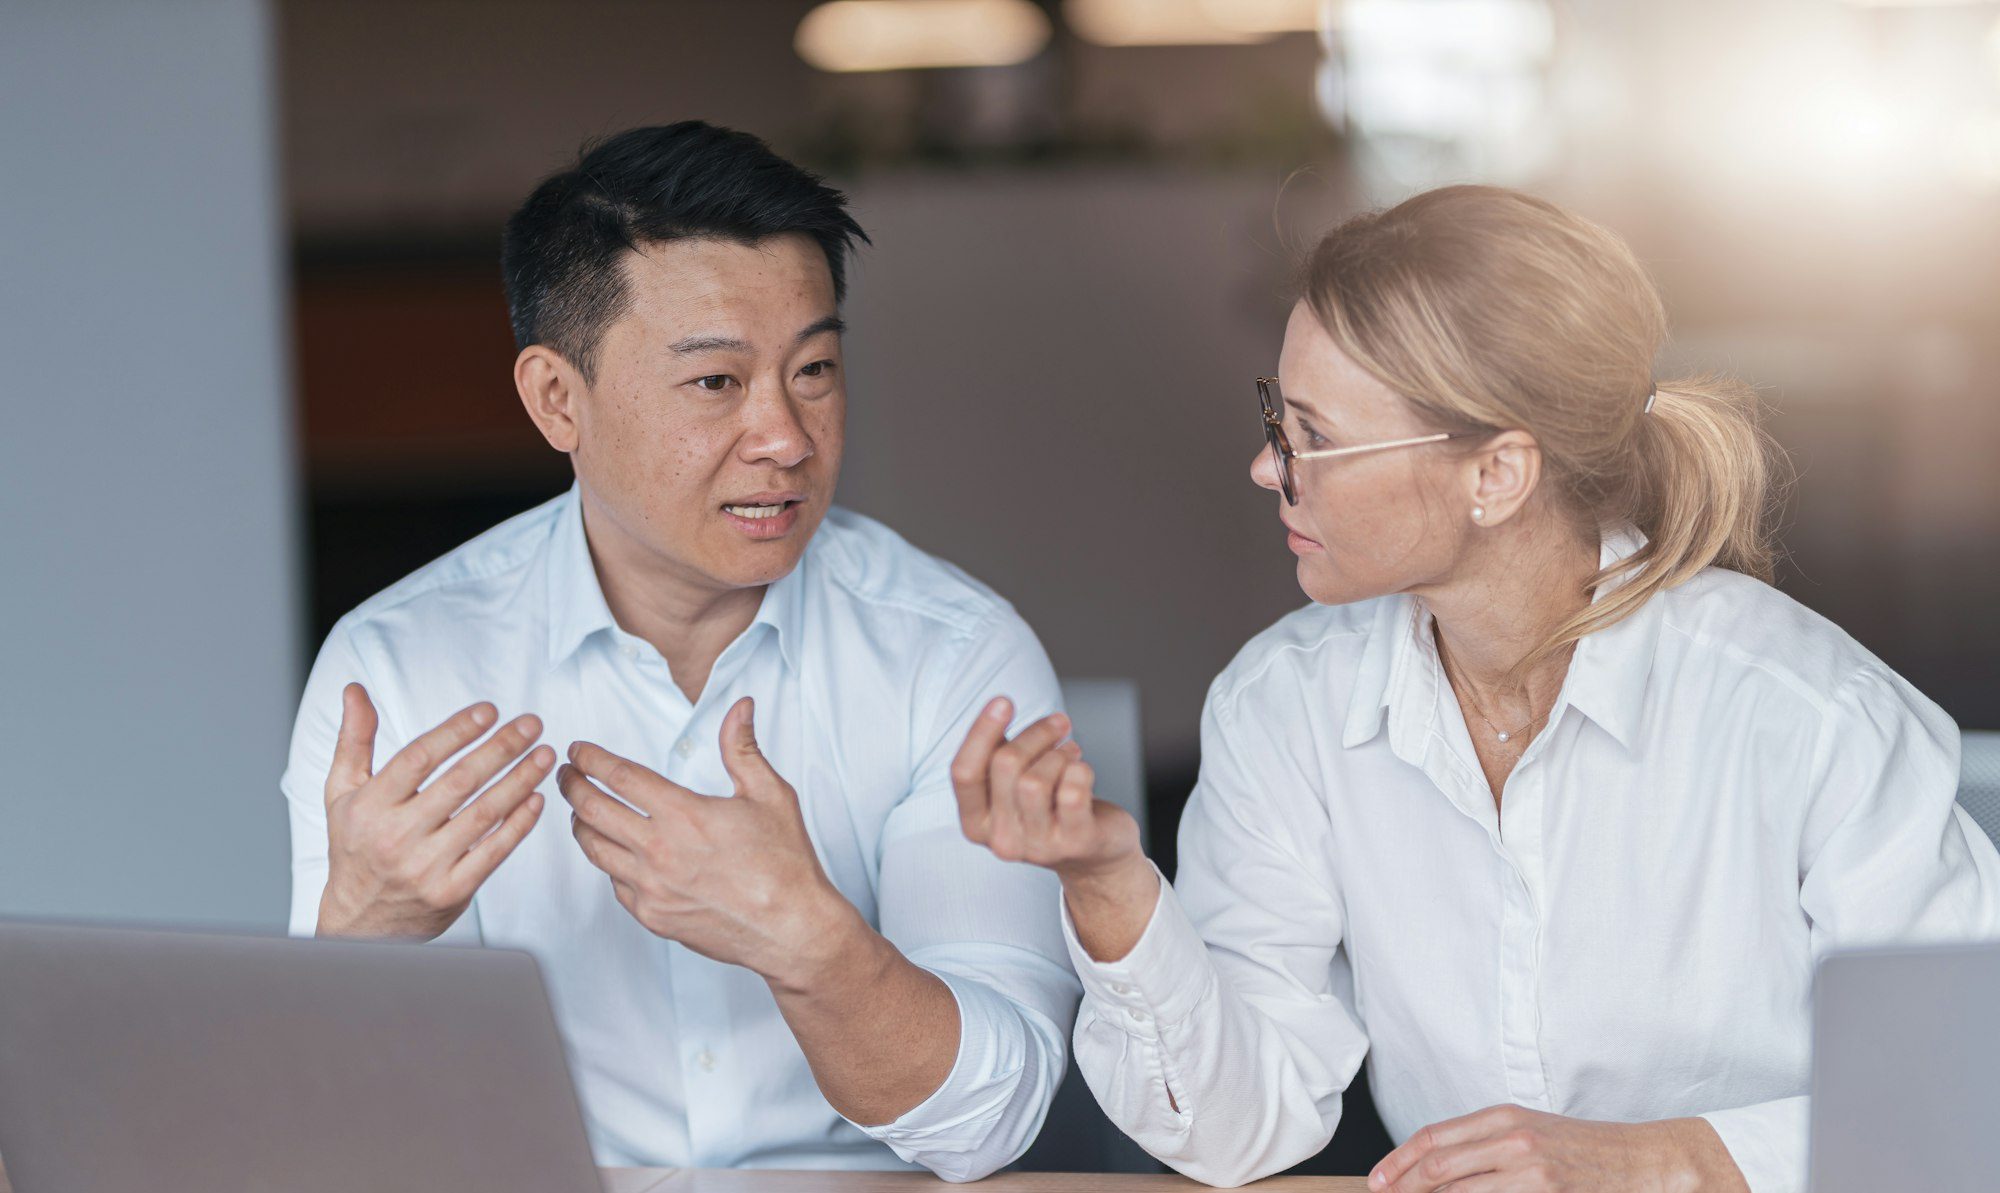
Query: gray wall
[[149, 657]]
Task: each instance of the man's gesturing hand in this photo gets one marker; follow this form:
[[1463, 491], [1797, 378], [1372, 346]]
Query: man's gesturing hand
[[404, 862], [732, 879]]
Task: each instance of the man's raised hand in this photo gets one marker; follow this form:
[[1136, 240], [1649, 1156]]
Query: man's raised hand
[[733, 879], [404, 859]]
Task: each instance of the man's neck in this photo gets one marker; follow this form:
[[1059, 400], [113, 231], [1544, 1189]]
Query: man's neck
[[689, 622]]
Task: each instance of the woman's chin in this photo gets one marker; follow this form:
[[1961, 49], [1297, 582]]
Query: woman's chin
[[1323, 586]]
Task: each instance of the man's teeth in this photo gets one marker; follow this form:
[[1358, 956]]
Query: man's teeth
[[756, 511]]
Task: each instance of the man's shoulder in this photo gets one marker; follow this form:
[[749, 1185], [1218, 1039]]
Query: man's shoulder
[[877, 574], [483, 572]]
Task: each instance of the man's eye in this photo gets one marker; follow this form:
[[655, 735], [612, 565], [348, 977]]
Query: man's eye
[[817, 368], [714, 383]]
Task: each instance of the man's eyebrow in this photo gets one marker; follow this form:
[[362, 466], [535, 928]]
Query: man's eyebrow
[[832, 323], [714, 343], [694, 344]]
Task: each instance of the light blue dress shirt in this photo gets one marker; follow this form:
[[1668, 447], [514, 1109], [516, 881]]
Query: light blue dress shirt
[[868, 663]]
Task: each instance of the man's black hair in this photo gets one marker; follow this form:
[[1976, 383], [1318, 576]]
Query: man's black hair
[[560, 255]]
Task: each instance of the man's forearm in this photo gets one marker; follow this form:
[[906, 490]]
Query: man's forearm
[[880, 1032]]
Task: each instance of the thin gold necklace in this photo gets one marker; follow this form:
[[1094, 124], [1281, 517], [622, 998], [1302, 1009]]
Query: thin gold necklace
[[1504, 735]]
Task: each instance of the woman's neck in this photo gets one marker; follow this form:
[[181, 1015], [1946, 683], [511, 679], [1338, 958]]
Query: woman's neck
[[1523, 580]]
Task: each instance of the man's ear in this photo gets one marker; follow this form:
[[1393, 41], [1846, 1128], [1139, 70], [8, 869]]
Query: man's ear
[[551, 389], [1505, 473]]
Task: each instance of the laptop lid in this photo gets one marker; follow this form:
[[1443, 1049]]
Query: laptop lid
[[1906, 1070], [189, 1063]]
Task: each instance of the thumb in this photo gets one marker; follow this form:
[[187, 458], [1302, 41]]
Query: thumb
[[741, 757], [354, 749]]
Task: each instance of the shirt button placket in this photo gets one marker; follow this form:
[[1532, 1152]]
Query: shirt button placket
[[1520, 946]]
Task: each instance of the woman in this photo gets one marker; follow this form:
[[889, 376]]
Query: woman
[[1547, 804]]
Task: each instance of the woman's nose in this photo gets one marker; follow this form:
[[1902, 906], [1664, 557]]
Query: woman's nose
[[1264, 468]]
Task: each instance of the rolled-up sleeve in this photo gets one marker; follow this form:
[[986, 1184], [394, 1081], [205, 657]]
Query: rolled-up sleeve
[[988, 929], [1887, 857], [1219, 1042]]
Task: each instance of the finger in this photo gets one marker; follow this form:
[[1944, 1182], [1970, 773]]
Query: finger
[[588, 803], [1035, 795], [414, 762], [437, 802], [1028, 746], [969, 765], [646, 790], [354, 748], [1444, 1166], [482, 859], [495, 804], [1448, 1133], [607, 855], [1075, 796], [748, 769]]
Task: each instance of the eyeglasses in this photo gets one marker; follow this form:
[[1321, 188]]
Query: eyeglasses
[[1273, 403]]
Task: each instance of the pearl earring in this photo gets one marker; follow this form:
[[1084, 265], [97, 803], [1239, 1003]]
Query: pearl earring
[[1478, 512]]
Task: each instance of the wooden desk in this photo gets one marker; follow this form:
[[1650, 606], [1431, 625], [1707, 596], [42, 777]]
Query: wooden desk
[[711, 1180]]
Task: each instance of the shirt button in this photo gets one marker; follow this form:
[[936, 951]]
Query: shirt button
[[631, 651], [1120, 989], [683, 748], [1141, 1017], [706, 1060]]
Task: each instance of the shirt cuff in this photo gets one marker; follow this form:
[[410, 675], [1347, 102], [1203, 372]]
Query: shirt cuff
[[1768, 1143], [960, 1113], [1161, 981]]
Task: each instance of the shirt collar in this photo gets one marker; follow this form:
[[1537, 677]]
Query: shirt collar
[[1607, 674], [576, 600], [1385, 657]]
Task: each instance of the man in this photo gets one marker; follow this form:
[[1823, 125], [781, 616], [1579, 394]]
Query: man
[[818, 970]]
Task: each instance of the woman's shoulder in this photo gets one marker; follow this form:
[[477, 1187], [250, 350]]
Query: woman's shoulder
[[1731, 621], [1305, 645]]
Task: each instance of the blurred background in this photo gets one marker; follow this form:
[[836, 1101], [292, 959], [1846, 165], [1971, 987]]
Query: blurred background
[[258, 362]]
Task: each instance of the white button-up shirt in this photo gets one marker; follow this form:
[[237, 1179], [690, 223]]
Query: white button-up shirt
[[868, 663], [1728, 787]]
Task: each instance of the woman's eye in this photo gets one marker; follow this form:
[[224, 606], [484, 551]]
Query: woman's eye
[[714, 383]]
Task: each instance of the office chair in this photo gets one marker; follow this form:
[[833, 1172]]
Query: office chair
[[1076, 1137], [1979, 778]]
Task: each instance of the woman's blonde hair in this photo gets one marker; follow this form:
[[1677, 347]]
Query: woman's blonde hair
[[1488, 309]]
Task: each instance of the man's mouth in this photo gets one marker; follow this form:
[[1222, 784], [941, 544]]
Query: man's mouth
[[765, 515], [760, 509]]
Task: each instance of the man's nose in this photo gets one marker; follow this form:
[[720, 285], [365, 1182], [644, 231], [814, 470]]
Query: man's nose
[[776, 433]]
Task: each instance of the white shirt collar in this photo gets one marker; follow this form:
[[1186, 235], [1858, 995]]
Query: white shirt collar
[[577, 608], [1607, 674]]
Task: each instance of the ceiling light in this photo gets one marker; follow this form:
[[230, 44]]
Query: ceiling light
[[859, 35]]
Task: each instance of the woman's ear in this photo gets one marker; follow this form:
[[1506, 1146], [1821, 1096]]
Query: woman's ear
[[551, 389], [1503, 474]]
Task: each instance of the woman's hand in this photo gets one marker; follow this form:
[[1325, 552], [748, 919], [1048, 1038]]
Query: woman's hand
[[1032, 800], [1508, 1149]]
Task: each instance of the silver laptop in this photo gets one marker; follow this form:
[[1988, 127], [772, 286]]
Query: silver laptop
[[186, 1063], [1906, 1071]]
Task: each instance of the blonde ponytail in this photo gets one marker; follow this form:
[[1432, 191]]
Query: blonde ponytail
[[1488, 309]]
